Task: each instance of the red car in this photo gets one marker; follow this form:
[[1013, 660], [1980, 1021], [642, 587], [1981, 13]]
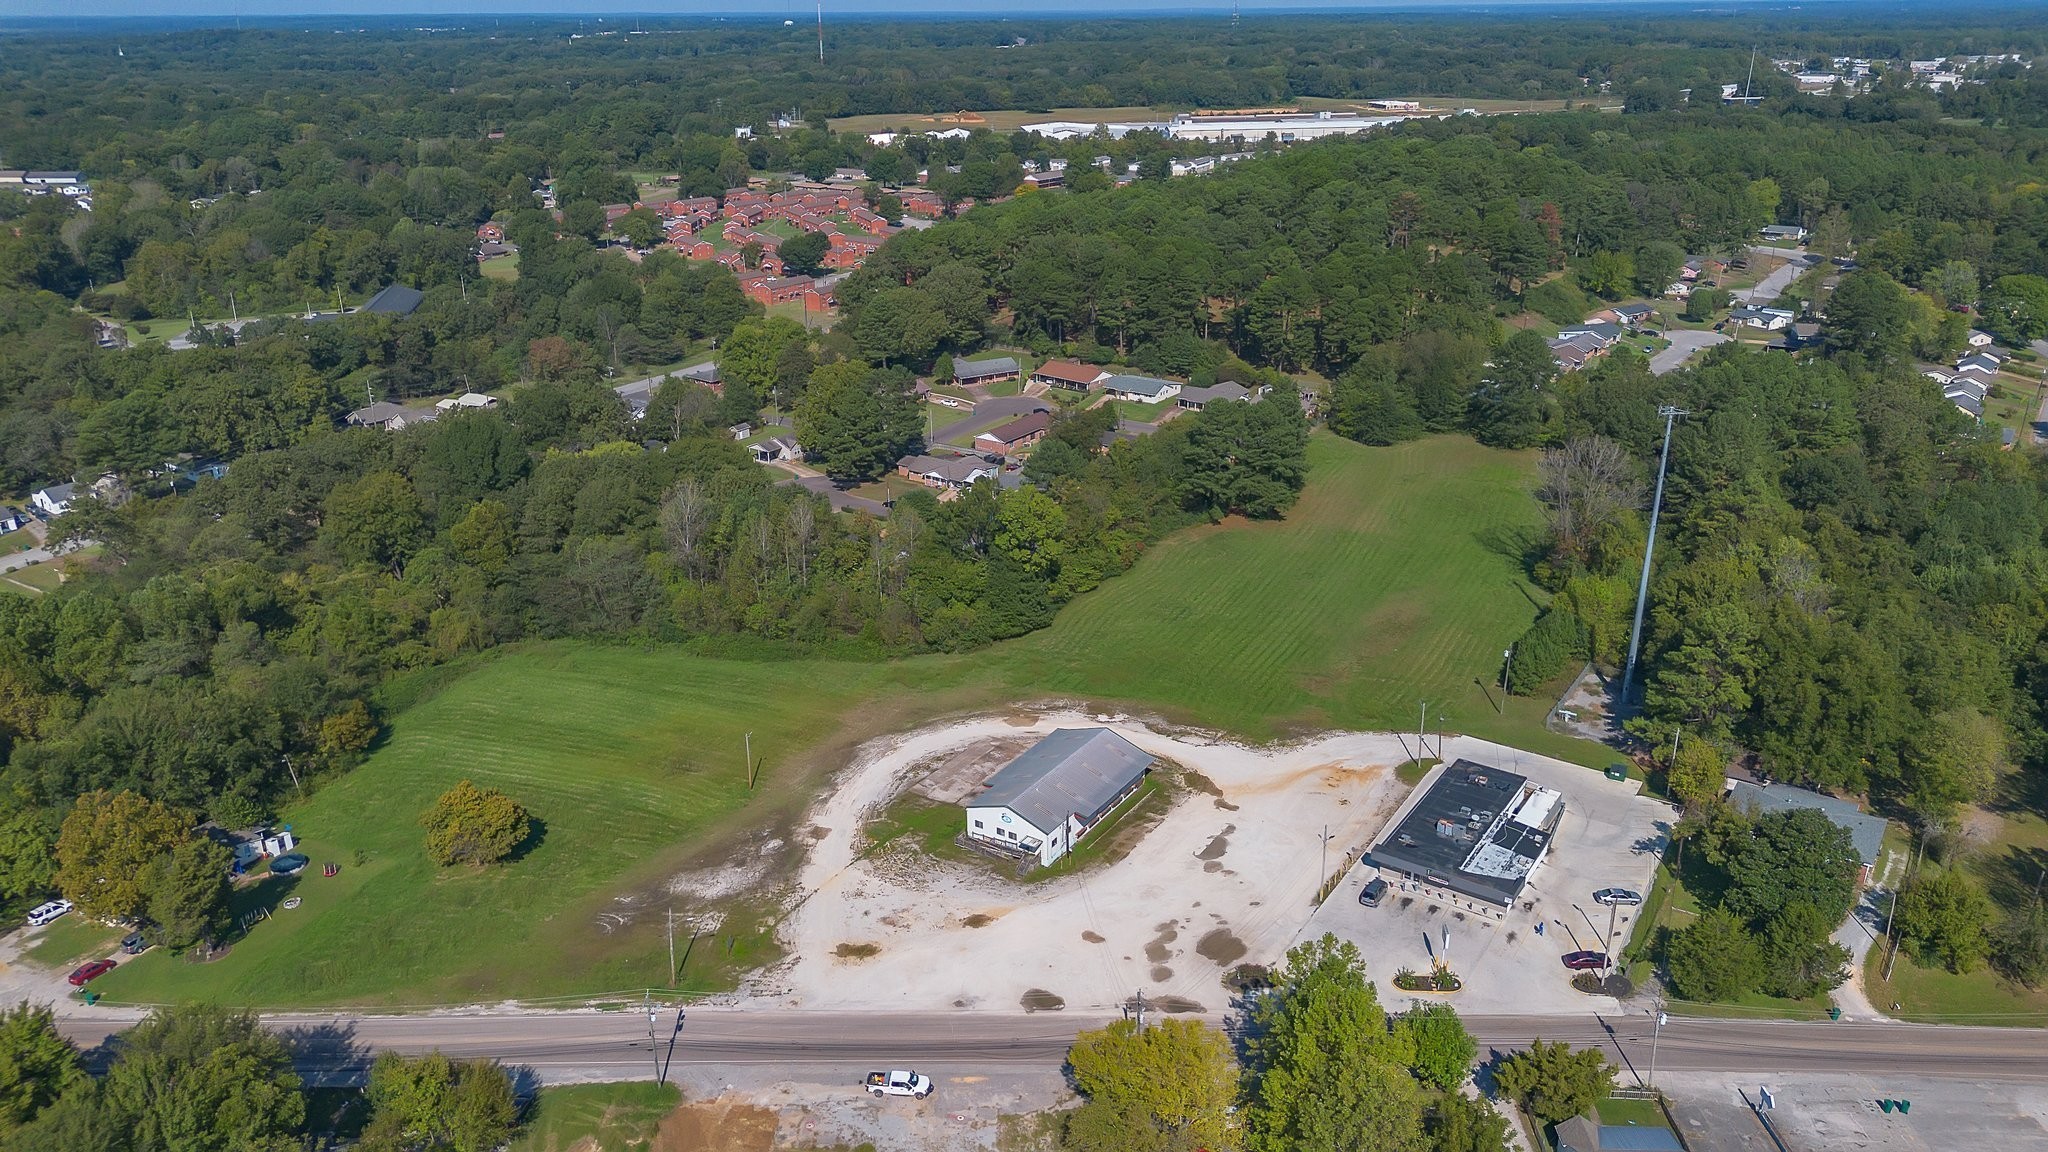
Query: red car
[[89, 971], [1585, 961]]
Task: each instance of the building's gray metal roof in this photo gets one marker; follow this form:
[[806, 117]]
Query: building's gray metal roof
[[394, 299], [993, 366], [1072, 772], [1865, 831], [1142, 385], [1637, 1138]]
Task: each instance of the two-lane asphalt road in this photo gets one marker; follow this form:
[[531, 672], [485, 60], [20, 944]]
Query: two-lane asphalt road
[[576, 1046]]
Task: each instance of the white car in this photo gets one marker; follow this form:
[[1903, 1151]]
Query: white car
[[44, 913], [899, 1083]]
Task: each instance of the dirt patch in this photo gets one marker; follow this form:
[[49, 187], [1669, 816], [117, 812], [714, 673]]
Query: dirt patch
[[819, 831], [1215, 849], [1093, 938], [1157, 951], [719, 1125], [1039, 1000], [1197, 782], [1161, 973], [1212, 866], [1176, 1005], [978, 920], [1222, 946], [857, 951]]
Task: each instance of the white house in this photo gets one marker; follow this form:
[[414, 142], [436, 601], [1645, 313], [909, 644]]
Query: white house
[[1979, 338], [1047, 799], [55, 500], [1140, 389], [466, 402]]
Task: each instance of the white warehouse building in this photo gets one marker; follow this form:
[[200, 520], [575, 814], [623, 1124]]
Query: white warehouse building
[[1044, 801], [1287, 127]]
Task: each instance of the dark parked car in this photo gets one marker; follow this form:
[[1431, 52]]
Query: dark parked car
[[89, 971], [1621, 896], [1585, 961], [288, 863], [1375, 890]]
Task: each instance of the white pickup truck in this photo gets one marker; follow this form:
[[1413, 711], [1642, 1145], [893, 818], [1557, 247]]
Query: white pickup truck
[[899, 1083]]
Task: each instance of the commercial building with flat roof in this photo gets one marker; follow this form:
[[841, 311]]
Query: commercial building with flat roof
[[1478, 831], [1046, 799]]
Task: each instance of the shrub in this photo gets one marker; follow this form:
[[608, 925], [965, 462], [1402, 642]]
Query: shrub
[[1551, 643]]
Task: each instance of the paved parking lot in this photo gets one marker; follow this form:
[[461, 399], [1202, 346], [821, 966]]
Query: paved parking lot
[[1609, 837], [1826, 1113]]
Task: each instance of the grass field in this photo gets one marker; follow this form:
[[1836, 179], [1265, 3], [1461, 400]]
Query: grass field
[[596, 1117], [1395, 580], [500, 267], [69, 940], [1642, 1113]]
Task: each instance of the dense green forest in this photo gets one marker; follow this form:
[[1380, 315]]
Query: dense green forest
[[1849, 588]]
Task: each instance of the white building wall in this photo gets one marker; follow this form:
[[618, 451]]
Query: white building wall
[[991, 823]]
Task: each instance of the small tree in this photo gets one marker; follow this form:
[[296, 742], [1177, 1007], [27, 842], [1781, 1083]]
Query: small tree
[[1696, 774], [472, 825], [1713, 958], [1169, 1086], [1443, 1050], [1947, 918], [1553, 1082], [1460, 1124]]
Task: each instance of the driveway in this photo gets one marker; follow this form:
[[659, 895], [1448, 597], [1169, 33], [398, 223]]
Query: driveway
[[25, 558], [987, 415], [840, 499], [1781, 278], [1685, 345]]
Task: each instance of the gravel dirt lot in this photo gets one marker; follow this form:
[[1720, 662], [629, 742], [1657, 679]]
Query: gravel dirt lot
[[1225, 877], [822, 1107], [1609, 837]]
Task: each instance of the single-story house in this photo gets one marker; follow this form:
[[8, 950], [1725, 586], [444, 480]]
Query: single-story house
[[947, 473], [394, 300], [1140, 389], [1633, 315], [1682, 290], [1980, 360], [55, 500], [377, 415], [1604, 332], [1768, 319], [11, 518], [1069, 374], [1967, 404], [1043, 802], [1969, 386], [989, 371], [1788, 233], [706, 374], [1568, 356], [468, 401], [777, 448], [1979, 338], [1937, 373], [1866, 831], [1196, 399], [1022, 432]]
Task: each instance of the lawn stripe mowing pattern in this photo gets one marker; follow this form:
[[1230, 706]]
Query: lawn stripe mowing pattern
[[1392, 581], [622, 753]]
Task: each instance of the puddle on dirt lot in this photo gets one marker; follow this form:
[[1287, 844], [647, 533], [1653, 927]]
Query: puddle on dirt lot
[[1157, 951], [1213, 866], [1039, 1000], [716, 1126], [1217, 847], [1161, 973], [1092, 937], [857, 951], [979, 920], [1175, 1004], [1221, 946]]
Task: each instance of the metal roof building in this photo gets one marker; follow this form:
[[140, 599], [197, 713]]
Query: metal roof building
[[1054, 791], [1479, 831], [1866, 832]]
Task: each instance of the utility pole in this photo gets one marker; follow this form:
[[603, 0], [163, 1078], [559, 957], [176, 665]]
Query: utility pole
[[1141, 1011], [1656, 1030], [750, 761], [1323, 877], [671, 946], [296, 786], [1635, 636], [1421, 723], [1507, 661], [653, 1049]]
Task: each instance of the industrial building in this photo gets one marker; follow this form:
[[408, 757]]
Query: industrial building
[[1043, 802], [1477, 833], [1286, 127]]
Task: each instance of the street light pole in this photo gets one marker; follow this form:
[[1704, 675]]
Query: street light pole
[[653, 1049], [1635, 635]]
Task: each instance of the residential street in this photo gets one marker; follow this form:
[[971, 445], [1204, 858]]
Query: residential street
[[1770, 286], [24, 558], [1685, 345], [568, 1047]]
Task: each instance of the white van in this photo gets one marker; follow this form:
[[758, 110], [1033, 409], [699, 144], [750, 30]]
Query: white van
[[44, 913]]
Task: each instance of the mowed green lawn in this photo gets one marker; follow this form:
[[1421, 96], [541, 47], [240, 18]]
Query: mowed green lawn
[[1394, 581], [623, 755]]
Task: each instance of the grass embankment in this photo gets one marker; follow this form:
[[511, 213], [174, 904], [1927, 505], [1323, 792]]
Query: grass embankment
[[1397, 579], [596, 1117]]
